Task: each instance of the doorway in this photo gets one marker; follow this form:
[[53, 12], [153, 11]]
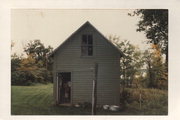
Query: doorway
[[64, 87]]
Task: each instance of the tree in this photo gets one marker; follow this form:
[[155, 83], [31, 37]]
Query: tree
[[157, 71], [33, 67], [38, 51], [34, 72], [15, 64], [131, 63], [130, 67], [155, 25]]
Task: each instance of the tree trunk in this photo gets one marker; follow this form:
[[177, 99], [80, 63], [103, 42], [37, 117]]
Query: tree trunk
[[150, 75]]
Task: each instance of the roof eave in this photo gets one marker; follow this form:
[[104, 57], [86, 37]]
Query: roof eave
[[86, 23]]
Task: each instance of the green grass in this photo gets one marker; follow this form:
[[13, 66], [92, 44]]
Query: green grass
[[38, 100]]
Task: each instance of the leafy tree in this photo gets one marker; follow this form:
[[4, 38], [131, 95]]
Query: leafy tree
[[34, 72], [33, 68], [38, 51], [130, 66], [154, 23], [15, 63], [29, 67], [131, 63], [157, 71]]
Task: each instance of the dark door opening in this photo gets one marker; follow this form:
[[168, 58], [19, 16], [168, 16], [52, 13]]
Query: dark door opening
[[64, 85]]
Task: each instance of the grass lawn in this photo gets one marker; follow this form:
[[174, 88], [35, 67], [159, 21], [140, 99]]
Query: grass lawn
[[38, 100]]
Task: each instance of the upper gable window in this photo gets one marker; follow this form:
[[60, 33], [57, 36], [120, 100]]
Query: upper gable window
[[87, 45]]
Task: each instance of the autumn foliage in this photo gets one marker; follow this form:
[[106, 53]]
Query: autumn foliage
[[33, 68]]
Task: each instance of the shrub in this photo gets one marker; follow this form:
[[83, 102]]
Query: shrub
[[154, 101]]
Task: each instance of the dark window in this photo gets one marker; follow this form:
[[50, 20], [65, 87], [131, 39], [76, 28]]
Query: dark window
[[87, 45]]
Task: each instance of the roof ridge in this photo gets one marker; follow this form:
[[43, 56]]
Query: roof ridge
[[86, 23]]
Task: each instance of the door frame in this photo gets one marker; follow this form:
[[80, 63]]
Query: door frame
[[58, 87]]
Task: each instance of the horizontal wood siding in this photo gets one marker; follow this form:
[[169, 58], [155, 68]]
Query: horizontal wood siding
[[82, 86], [69, 58]]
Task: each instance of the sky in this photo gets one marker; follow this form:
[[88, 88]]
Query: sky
[[53, 26]]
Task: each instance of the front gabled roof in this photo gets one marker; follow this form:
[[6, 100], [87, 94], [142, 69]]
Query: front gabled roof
[[85, 24]]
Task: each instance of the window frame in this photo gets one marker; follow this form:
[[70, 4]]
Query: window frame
[[87, 45]]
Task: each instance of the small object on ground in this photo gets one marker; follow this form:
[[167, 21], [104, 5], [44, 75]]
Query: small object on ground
[[105, 107], [114, 108], [77, 105]]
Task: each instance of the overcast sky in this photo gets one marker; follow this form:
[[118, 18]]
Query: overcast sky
[[53, 26]]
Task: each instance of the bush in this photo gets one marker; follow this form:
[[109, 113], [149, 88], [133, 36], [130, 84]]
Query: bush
[[18, 78], [154, 101], [28, 71], [26, 78], [28, 83]]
